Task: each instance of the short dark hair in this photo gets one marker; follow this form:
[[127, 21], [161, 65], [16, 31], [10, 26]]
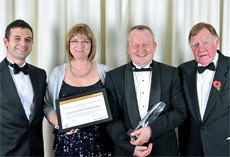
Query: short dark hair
[[17, 24]]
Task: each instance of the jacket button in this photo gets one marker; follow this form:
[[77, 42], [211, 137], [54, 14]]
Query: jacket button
[[203, 128]]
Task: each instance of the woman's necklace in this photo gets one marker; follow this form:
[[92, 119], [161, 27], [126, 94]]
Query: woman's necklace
[[80, 76]]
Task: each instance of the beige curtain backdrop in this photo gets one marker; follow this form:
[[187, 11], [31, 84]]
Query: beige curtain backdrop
[[110, 20]]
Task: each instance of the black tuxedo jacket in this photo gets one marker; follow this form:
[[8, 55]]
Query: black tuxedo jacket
[[121, 93], [206, 137], [20, 136]]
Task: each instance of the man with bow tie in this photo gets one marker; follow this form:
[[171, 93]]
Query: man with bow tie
[[206, 87], [22, 90], [133, 89]]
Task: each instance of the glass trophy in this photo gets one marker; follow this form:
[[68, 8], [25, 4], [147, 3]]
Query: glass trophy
[[150, 116]]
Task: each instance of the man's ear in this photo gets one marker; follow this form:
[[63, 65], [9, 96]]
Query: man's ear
[[5, 41]]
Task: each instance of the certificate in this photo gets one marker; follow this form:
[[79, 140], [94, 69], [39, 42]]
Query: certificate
[[83, 110]]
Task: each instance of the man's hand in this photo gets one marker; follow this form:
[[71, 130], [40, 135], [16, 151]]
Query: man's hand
[[142, 151], [143, 135]]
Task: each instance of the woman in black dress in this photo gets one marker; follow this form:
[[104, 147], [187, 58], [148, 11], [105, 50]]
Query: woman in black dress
[[81, 74]]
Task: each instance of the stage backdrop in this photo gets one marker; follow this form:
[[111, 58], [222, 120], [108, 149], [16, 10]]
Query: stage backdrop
[[110, 20]]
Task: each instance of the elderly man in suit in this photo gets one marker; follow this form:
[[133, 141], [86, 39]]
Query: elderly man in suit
[[207, 93], [133, 88], [22, 89]]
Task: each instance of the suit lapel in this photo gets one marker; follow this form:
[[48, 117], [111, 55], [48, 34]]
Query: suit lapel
[[33, 77], [155, 89], [10, 88], [130, 95], [221, 76], [191, 89]]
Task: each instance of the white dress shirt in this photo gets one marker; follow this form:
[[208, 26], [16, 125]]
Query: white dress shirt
[[24, 88], [142, 82], [204, 85]]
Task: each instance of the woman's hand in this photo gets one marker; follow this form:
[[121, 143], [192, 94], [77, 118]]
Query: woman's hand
[[73, 131]]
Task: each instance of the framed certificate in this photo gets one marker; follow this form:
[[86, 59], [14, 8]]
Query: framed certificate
[[83, 110]]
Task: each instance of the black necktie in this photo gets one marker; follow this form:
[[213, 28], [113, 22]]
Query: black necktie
[[201, 69], [17, 69]]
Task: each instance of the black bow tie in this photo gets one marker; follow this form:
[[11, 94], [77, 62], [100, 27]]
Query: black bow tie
[[201, 69], [141, 69], [135, 69], [17, 69]]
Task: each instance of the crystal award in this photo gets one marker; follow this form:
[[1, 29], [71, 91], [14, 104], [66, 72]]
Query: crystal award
[[150, 116]]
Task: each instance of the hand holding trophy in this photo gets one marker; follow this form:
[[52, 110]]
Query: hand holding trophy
[[151, 115]]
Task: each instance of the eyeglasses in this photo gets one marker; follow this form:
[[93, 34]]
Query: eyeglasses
[[205, 42], [76, 42]]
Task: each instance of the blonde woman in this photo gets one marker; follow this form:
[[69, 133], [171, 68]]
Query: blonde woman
[[81, 74]]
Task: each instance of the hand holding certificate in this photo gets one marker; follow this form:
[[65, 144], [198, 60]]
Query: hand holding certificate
[[83, 110], [151, 115]]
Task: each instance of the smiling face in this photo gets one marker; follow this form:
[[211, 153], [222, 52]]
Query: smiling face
[[80, 47], [19, 44], [80, 42], [141, 47], [204, 46]]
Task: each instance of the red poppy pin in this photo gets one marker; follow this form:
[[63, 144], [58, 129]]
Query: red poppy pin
[[217, 85]]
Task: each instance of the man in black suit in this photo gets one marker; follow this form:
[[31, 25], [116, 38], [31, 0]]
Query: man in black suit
[[132, 91], [207, 93], [22, 89]]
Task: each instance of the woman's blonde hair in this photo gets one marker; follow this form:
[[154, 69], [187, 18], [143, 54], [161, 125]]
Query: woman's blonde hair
[[82, 29]]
